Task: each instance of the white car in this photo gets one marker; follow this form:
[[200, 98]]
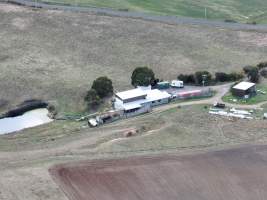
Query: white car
[[92, 122]]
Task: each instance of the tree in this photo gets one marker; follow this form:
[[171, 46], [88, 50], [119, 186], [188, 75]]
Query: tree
[[92, 98], [154, 83], [262, 65], [221, 77], [224, 77], [186, 78], [201, 76], [253, 75], [248, 68], [142, 76], [234, 76], [103, 86], [264, 73]]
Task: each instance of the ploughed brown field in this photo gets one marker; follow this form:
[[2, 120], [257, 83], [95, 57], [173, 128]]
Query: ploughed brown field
[[236, 174]]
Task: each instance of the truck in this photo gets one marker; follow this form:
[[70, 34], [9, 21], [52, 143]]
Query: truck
[[177, 84]]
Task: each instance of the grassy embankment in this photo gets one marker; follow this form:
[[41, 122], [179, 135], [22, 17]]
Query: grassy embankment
[[240, 10]]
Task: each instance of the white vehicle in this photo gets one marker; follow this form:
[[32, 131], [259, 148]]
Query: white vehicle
[[177, 84], [92, 123]]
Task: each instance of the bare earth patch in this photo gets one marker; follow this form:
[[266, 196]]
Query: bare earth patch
[[230, 174], [21, 23]]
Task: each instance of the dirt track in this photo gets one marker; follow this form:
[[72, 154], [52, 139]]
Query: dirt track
[[237, 174]]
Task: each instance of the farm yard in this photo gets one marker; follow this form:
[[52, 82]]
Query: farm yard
[[54, 56]]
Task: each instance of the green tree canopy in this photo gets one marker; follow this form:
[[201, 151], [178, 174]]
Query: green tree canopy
[[142, 76], [203, 75], [262, 65], [103, 86], [187, 78], [253, 75], [92, 98], [248, 68]]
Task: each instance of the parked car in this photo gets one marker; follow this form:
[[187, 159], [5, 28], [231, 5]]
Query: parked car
[[92, 123], [219, 105]]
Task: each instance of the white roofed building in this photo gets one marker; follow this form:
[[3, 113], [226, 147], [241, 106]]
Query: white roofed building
[[244, 89], [139, 100]]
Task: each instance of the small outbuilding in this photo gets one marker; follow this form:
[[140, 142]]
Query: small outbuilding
[[244, 89]]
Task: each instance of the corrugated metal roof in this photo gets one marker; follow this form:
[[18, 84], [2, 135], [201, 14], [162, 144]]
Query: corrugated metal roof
[[130, 106], [129, 94], [151, 95], [244, 85]]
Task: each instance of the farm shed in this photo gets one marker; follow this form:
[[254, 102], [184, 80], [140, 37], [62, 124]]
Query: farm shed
[[244, 89]]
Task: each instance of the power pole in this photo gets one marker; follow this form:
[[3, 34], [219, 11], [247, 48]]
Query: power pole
[[205, 13], [204, 76]]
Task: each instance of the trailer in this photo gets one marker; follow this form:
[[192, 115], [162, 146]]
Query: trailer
[[163, 85]]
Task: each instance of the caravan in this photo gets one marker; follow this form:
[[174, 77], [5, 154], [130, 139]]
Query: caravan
[[177, 84]]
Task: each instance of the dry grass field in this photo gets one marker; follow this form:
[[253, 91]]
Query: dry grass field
[[55, 55]]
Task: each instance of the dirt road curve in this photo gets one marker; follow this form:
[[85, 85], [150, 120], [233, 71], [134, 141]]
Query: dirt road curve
[[229, 174], [138, 15]]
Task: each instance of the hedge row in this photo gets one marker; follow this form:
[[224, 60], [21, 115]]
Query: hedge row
[[200, 76]]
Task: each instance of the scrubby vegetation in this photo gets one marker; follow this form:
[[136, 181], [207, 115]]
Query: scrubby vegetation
[[208, 78], [102, 87], [92, 98]]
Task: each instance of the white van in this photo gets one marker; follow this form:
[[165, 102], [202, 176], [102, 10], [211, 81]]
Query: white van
[[177, 84]]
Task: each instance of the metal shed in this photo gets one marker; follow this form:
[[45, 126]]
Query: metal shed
[[244, 89]]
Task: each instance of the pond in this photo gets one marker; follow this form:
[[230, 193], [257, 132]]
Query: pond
[[29, 119]]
